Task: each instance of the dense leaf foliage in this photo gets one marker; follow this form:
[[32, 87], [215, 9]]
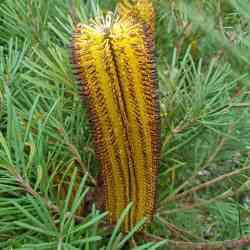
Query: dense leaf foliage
[[47, 162]]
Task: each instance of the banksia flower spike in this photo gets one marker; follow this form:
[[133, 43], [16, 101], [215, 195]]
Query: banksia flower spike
[[141, 11], [113, 59]]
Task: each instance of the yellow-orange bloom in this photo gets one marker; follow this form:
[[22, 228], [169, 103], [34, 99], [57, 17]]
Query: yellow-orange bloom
[[114, 64]]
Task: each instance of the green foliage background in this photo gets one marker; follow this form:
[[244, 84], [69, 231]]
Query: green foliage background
[[203, 55]]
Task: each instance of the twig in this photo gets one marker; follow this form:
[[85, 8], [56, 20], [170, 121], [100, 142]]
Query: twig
[[207, 184], [72, 11], [180, 128], [219, 147], [221, 143], [242, 104], [74, 151], [26, 186], [199, 204], [181, 245], [175, 229]]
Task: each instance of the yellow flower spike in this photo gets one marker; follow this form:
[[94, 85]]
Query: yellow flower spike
[[114, 63], [136, 70], [96, 72], [141, 10]]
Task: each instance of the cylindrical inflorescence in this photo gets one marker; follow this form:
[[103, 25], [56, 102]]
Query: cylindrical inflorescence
[[114, 62]]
